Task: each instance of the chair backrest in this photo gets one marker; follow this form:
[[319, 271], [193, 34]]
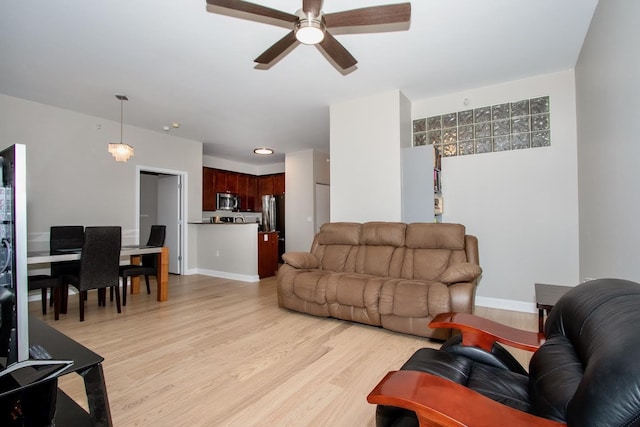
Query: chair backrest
[[156, 238], [65, 237], [587, 372], [100, 259]]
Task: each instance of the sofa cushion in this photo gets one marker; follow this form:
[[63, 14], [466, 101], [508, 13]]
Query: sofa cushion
[[413, 298], [336, 246], [435, 236], [303, 260], [340, 233], [383, 234], [463, 272], [354, 297]]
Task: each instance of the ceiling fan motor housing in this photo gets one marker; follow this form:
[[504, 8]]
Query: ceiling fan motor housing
[[309, 29]]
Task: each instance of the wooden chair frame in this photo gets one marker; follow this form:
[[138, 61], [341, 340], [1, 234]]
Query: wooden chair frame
[[440, 402]]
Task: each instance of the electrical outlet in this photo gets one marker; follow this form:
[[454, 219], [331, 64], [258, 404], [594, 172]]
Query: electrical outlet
[[217, 252]]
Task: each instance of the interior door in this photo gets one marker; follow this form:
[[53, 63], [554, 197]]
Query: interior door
[[169, 196]]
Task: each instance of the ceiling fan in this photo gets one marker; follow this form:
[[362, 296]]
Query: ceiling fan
[[311, 26]]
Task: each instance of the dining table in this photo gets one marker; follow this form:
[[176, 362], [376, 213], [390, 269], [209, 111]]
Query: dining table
[[134, 252]]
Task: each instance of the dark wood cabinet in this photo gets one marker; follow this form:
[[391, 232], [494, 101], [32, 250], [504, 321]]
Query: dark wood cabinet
[[267, 254], [208, 189], [266, 184], [243, 192], [278, 183], [253, 201], [250, 188], [232, 182], [220, 181]]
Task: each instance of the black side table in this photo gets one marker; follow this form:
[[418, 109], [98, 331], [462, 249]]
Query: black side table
[[85, 363], [546, 298]]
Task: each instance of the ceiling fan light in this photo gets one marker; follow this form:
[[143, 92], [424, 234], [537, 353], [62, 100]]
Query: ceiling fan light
[[263, 151], [309, 31]]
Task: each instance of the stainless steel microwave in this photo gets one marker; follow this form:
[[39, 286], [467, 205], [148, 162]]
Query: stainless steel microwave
[[227, 202]]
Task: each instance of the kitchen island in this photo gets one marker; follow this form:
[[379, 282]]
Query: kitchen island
[[235, 251]]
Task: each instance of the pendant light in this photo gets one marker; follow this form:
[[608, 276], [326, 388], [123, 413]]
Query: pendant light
[[119, 150]]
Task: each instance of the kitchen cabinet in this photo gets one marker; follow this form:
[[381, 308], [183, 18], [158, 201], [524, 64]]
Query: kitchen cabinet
[[243, 192], [250, 188], [267, 254], [266, 185], [278, 183], [221, 181], [253, 201], [208, 189], [232, 182]]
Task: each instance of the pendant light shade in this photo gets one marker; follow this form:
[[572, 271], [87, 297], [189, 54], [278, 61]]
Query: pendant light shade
[[119, 150]]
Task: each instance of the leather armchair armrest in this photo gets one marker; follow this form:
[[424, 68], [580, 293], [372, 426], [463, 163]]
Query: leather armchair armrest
[[301, 260], [480, 332], [440, 402]]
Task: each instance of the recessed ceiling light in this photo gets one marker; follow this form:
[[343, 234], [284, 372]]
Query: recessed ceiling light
[[175, 125], [263, 151]]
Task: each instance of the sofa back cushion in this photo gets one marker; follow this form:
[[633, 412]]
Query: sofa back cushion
[[336, 246], [382, 249], [587, 372], [431, 248]]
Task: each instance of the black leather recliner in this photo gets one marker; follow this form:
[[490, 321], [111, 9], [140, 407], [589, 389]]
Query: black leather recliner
[[586, 373]]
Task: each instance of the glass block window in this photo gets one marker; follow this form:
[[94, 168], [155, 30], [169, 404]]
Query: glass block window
[[502, 127]]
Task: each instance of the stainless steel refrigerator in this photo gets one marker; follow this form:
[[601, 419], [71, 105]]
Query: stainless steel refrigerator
[[273, 218]]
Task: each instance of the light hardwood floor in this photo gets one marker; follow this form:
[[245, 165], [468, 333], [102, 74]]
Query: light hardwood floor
[[221, 353]]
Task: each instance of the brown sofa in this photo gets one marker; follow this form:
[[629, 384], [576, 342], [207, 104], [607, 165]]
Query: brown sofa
[[394, 275]]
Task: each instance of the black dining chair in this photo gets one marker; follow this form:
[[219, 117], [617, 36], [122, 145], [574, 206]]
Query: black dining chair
[[99, 262], [61, 239], [44, 283], [149, 262]]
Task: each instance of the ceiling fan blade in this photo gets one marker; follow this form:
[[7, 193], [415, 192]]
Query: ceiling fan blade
[[374, 15], [336, 51], [253, 9], [312, 7], [277, 49]]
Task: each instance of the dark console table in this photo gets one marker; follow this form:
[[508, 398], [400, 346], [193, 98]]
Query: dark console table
[[85, 363], [546, 297]]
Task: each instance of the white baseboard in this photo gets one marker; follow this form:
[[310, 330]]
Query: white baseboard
[[506, 304], [226, 275]]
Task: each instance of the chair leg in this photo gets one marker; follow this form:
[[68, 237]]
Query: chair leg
[[124, 290], [146, 279], [64, 298], [111, 294], [82, 298], [56, 295], [44, 300], [118, 301]]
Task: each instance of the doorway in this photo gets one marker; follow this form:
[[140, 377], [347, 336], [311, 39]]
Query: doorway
[[161, 201]]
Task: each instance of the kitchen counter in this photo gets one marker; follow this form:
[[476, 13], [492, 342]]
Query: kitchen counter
[[227, 250]]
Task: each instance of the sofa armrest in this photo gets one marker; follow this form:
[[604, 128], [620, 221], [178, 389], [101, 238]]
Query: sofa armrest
[[301, 260], [480, 332], [437, 401], [463, 272]]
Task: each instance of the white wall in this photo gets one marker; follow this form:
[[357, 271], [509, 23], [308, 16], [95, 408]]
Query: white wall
[[608, 90], [72, 179], [366, 137], [522, 205]]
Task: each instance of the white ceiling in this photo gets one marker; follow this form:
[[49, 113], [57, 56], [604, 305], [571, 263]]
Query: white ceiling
[[177, 62]]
